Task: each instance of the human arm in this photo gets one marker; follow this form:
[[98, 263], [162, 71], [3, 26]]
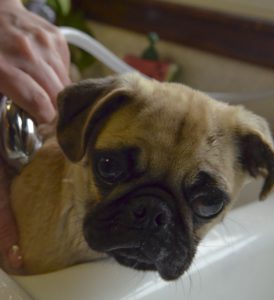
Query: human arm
[[34, 64]]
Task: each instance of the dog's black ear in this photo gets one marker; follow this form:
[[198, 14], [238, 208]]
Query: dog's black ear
[[83, 109], [256, 150]]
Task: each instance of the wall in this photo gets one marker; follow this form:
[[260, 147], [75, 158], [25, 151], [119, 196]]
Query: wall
[[200, 70], [255, 8]]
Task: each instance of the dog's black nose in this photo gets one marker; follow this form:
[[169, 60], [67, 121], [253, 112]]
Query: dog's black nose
[[149, 212]]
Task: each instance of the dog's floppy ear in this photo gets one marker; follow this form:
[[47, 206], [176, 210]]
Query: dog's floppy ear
[[83, 109], [256, 149]]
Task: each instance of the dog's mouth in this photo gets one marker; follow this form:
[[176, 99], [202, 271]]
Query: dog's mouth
[[142, 231], [168, 266], [167, 254]]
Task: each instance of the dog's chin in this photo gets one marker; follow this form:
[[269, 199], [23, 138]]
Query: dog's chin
[[135, 258], [170, 254]]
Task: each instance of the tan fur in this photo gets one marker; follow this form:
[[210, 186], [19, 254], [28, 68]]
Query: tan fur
[[48, 199], [179, 130]]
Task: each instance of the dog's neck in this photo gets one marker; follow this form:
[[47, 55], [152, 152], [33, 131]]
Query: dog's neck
[[56, 188]]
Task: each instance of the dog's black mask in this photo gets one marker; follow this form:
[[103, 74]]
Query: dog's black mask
[[143, 230]]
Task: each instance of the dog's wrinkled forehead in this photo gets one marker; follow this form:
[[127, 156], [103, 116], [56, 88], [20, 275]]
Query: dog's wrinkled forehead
[[166, 110], [172, 123]]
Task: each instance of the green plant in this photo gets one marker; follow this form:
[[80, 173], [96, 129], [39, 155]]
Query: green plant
[[61, 7], [66, 16]]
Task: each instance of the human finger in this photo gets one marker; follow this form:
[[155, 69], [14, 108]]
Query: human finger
[[43, 74], [55, 52], [27, 93]]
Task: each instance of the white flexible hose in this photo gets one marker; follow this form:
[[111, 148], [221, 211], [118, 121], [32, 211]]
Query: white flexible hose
[[94, 48]]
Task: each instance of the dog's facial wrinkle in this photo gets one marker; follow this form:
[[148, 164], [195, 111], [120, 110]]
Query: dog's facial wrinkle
[[206, 198]]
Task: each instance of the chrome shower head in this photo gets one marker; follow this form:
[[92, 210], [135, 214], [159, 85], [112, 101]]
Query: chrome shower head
[[19, 139]]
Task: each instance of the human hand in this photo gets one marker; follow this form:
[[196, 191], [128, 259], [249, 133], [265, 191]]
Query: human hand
[[34, 64], [34, 60]]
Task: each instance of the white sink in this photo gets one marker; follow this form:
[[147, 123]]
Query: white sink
[[10, 290]]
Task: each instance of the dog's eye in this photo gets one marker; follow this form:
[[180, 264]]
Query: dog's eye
[[111, 169], [207, 206], [205, 197], [113, 166]]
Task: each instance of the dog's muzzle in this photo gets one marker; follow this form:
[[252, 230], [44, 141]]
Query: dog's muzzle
[[142, 229], [148, 210]]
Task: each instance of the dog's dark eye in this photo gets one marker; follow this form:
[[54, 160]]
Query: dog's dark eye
[[114, 166], [111, 169], [207, 206]]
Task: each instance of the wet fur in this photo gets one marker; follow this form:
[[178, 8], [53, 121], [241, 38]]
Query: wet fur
[[180, 132]]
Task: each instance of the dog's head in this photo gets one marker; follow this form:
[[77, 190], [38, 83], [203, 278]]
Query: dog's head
[[165, 163]]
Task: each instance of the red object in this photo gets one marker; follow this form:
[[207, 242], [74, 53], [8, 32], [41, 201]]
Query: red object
[[155, 69]]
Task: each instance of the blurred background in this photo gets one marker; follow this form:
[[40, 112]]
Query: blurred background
[[224, 46]]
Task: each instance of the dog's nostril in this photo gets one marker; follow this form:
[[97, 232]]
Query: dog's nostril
[[148, 217], [150, 213], [140, 212], [160, 219]]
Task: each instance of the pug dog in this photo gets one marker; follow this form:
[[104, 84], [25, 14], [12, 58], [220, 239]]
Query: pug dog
[[139, 171]]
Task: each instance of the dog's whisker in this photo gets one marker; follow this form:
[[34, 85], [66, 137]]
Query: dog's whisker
[[190, 283], [181, 283], [205, 245], [241, 227], [197, 273]]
